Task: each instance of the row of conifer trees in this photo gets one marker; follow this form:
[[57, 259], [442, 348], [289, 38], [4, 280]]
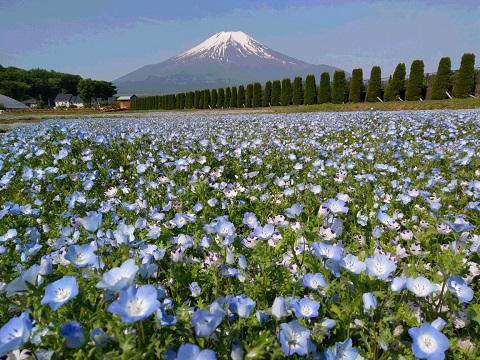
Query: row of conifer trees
[[276, 93]]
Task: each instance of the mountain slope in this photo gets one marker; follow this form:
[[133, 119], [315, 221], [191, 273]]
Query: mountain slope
[[225, 59]]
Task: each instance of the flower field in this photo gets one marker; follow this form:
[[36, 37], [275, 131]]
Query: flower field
[[242, 236]]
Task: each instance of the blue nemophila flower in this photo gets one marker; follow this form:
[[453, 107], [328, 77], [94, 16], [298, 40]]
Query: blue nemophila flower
[[135, 304], [369, 303], [295, 210], [195, 289], [73, 334], [92, 221], [306, 308], [398, 283], [119, 278], [351, 263], [250, 219], [15, 333], [99, 337], [336, 206], [314, 281], [264, 232], [279, 307], [457, 286], [342, 351], [81, 255], [428, 342], [241, 305], [326, 251], [421, 286], [60, 292], [193, 352], [380, 266], [205, 323], [294, 338]]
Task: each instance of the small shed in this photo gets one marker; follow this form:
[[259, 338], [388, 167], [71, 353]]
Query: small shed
[[124, 101]]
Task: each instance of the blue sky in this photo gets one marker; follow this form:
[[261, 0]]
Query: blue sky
[[106, 39]]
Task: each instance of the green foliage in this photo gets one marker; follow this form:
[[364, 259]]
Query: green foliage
[[267, 94], [241, 97], [356, 86], [86, 90], [310, 96], [214, 98], [276, 92], [465, 83], [286, 95], [2, 106], [374, 88], [396, 84], [297, 96], [228, 95], [415, 81], [196, 99], [206, 99], [339, 87], [442, 81], [249, 96], [257, 95], [233, 97], [36, 83], [220, 98], [324, 91]]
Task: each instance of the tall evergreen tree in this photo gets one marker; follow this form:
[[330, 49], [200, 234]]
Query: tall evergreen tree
[[214, 98], [249, 96], [443, 78], [206, 99], [374, 88], [233, 97], [297, 93], [241, 97], [267, 94], [286, 96], [339, 87], [397, 84], [415, 81], [356, 86], [228, 94], [220, 98], [196, 99], [324, 90], [310, 96], [257, 95], [465, 83], [276, 92]]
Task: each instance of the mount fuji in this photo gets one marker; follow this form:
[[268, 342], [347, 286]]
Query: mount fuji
[[228, 58]]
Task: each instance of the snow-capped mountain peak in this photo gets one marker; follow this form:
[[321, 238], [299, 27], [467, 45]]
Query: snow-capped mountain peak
[[228, 46]]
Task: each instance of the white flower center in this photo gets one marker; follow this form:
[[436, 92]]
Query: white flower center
[[427, 344], [62, 294], [136, 307], [306, 310]]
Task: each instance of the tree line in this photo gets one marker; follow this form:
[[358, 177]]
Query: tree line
[[44, 85], [338, 90]]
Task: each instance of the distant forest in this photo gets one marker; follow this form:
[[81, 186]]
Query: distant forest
[[44, 85]]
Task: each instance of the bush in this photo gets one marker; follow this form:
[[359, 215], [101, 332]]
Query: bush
[[374, 88], [324, 91], [297, 98], [2, 107], [465, 83], [396, 84], [257, 95], [241, 97], [310, 96], [248, 96], [276, 92], [286, 96], [443, 79], [415, 81], [267, 94], [356, 86], [339, 87], [233, 97]]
